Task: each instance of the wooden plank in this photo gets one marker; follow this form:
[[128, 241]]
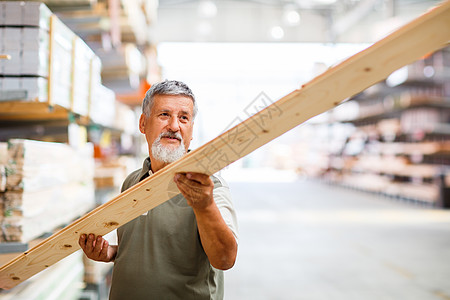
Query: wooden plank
[[51, 47], [421, 36], [31, 110], [20, 106]]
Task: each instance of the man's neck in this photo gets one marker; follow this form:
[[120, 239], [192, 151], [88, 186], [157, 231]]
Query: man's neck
[[157, 165]]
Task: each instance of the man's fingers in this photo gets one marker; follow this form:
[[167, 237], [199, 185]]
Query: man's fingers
[[188, 187], [193, 179], [198, 177], [181, 179], [82, 241], [98, 245], [184, 187], [104, 252], [95, 248], [90, 243]]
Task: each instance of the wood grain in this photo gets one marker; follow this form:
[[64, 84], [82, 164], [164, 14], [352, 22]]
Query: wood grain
[[423, 35]]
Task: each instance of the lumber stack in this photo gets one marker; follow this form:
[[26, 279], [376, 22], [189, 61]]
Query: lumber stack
[[49, 67], [46, 185], [62, 281], [40, 49], [24, 37]]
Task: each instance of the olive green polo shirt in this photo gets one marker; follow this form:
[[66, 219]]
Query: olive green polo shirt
[[160, 255]]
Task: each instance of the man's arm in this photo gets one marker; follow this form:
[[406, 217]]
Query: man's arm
[[217, 239], [97, 248]]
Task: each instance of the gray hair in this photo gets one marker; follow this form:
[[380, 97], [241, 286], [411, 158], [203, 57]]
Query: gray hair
[[167, 87]]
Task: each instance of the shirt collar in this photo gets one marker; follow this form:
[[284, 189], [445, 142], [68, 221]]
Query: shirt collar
[[146, 169]]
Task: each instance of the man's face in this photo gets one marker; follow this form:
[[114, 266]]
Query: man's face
[[171, 118]]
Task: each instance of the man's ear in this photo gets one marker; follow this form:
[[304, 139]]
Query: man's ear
[[142, 120]]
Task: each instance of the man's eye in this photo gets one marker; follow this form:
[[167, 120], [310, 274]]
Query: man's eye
[[164, 114]]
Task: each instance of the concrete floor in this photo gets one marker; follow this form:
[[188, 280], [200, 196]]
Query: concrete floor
[[308, 240]]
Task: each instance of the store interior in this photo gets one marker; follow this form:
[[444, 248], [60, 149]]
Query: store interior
[[352, 204]]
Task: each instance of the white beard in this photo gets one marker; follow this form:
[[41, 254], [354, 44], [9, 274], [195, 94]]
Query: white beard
[[167, 154]]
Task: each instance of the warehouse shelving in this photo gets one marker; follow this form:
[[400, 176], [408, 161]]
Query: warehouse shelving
[[70, 106], [400, 142]]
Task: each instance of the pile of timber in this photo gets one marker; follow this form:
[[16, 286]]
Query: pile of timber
[[44, 186], [61, 281]]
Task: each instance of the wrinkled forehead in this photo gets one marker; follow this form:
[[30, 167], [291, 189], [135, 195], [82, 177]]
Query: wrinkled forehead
[[174, 104]]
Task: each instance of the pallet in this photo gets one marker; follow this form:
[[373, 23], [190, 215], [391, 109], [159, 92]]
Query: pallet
[[418, 38]]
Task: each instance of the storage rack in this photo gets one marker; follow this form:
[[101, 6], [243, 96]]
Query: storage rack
[[400, 145], [73, 112]]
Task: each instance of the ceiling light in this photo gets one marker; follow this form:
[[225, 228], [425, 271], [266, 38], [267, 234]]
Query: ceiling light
[[207, 9], [277, 32], [291, 17]]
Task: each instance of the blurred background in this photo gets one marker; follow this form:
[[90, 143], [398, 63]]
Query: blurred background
[[352, 204]]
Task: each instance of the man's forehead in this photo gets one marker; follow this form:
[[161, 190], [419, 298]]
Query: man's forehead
[[173, 102]]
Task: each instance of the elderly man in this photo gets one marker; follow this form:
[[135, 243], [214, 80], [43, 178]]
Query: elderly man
[[178, 249]]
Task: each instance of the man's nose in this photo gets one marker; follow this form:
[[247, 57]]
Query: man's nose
[[174, 124]]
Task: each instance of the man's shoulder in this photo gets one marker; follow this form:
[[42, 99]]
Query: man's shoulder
[[131, 179]]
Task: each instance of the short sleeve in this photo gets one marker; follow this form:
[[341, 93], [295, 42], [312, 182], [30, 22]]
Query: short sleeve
[[222, 197]]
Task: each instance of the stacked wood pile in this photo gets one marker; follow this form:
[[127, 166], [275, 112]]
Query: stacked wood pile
[[61, 281], [45, 185], [49, 68]]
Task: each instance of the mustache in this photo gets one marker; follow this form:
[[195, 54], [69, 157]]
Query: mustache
[[171, 134]]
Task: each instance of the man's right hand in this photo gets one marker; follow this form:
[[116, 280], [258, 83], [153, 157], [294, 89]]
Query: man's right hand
[[97, 249]]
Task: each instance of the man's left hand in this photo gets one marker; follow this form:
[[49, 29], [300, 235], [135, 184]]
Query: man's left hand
[[197, 188]]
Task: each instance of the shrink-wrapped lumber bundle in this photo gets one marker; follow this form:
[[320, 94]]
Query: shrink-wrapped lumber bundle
[[46, 185], [82, 57], [47, 65], [24, 37]]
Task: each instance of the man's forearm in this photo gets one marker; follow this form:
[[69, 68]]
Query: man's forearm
[[217, 239]]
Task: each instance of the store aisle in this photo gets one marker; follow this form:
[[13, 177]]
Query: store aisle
[[308, 240]]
